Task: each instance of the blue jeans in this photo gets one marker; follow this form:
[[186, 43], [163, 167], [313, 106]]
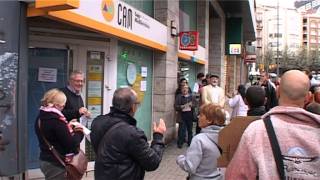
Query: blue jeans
[[185, 125], [51, 171]]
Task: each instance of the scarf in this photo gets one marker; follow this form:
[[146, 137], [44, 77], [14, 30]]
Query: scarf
[[56, 111]]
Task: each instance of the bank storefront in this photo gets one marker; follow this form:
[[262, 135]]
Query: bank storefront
[[111, 41]]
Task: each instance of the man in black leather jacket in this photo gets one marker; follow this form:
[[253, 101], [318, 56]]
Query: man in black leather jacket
[[122, 150], [270, 91]]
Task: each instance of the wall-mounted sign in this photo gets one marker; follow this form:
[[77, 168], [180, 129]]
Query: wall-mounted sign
[[131, 73], [234, 49], [189, 40], [95, 55], [94, 88], [251, 58], [47, 74], [95, 68], [114, 15]]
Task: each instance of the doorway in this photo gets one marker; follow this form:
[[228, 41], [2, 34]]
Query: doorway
[[48, 68]]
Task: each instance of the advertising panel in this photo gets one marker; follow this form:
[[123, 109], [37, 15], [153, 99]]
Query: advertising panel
[[189, 40]]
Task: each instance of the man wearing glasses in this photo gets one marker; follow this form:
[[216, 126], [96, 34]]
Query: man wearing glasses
[[122, 150], [74, 107]]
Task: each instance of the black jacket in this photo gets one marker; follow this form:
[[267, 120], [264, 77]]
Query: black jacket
[[258, 111], [271, 95], [124, 154], [58, 135], [73, 104]]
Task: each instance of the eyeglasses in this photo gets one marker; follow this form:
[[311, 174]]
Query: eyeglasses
[[78, 81]]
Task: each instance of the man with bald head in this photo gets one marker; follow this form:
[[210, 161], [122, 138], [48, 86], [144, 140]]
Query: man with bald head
[[122, 150], [297, 132]]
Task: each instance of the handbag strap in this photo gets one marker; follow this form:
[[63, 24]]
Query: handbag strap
[[114, 126], [275, 147], [219, 148], [51, 148]]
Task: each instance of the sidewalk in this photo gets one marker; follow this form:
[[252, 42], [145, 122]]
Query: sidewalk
[[168, 169]]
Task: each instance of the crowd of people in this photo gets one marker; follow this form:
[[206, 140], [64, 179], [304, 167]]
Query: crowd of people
[[265, 136], [273, 133]]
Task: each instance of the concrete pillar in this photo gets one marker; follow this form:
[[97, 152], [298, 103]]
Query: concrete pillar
[[165, 69], [231, 76], [203, 28], [217, 59], [217, 48]]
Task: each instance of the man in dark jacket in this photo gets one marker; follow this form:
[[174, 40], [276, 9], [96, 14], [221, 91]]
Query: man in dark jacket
[[270, 90], [255, 99], [122, 150], [74, 107]]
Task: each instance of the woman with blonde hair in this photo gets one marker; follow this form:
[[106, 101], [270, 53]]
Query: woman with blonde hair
[[200, 160], [52, 125]]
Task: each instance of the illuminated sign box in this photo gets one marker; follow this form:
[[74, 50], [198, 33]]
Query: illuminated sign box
[[189, 40], [234, 49]]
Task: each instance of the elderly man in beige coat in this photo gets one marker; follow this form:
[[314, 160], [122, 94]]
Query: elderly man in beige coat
[[212, 93]]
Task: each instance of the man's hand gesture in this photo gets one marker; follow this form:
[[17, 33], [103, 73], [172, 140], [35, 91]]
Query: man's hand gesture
[[160, 128]]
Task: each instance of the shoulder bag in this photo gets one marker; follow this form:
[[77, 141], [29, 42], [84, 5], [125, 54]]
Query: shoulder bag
[[275, 147], [75, 165]]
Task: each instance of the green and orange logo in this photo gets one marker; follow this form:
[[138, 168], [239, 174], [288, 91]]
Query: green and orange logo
[[107, 8]]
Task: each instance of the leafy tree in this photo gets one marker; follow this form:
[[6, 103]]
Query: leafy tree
[[301, 59], [313, 61], [268, 59]]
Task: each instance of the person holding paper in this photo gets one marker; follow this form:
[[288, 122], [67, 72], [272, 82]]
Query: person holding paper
[[52, 125], [122, 150], [184, 105], [74, 107]]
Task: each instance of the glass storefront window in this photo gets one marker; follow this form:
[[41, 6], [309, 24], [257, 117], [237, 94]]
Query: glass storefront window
[[187, 70], [145, 6], [188, 15]]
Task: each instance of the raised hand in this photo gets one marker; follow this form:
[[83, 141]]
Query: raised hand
[[160, 128]]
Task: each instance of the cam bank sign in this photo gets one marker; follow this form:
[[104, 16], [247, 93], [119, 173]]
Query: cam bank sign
[[117, 18]]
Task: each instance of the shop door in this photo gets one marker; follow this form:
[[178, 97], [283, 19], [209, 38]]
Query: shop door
[[95, 84], [48, 68], [135, 69]]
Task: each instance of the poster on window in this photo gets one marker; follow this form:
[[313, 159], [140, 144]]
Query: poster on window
[[47, 74], [95, 110], [144, 71], [94, 88]]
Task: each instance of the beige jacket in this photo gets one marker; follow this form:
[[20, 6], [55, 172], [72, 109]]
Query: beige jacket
[[207, 95]]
